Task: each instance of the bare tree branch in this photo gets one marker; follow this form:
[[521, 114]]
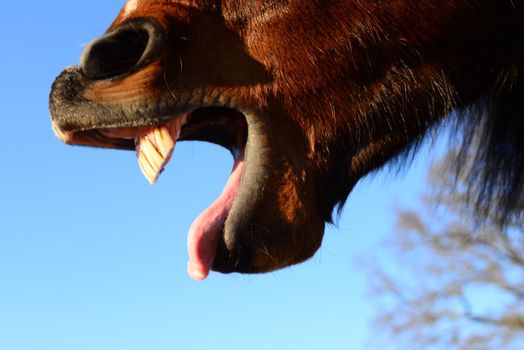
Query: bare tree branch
[[457, 280]]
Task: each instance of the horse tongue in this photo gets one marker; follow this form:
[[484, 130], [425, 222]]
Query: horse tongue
[[205, 231], [154, 147]]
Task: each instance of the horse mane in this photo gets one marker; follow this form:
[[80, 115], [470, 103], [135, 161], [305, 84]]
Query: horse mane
[[487, 151], [490, 157]]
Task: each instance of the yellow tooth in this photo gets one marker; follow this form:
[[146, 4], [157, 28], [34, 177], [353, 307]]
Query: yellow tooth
[[155, 147], [152, 154], [146, 168], [164, 141]]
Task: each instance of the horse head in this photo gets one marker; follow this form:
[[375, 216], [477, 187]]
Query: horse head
[[309, 97]]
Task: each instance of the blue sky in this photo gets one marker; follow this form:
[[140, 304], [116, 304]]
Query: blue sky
[[92, 257]]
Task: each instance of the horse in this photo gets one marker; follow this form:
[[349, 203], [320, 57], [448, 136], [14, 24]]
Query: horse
[[309, 96]]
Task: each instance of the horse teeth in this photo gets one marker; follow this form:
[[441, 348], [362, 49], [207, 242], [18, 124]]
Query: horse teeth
[[164, 141], [147, 169], [152, 154], [154, 149], [155, 145]]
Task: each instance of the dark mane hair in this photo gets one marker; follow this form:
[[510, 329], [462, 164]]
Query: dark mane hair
[[491, 154]]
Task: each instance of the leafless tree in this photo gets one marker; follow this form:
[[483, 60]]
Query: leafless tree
[[454, 280]]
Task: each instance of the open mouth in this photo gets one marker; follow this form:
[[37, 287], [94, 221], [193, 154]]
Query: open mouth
[[173, 90], [154, 146]]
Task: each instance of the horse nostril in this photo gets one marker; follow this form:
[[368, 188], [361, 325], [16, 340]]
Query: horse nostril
[[130, 46]]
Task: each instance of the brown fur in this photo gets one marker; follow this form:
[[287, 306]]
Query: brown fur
[[339, 88]]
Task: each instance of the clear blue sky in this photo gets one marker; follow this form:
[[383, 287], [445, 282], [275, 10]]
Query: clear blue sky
[[92, 257]]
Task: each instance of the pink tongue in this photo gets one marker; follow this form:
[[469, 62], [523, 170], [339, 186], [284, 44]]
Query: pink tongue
[[206, 229]]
